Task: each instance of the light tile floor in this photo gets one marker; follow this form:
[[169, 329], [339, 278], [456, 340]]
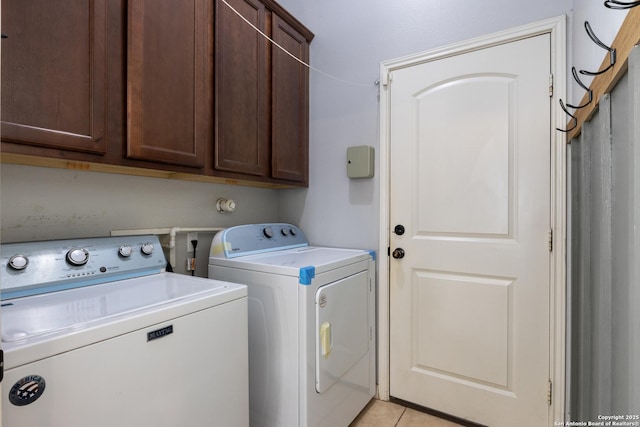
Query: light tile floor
[[388, 414]]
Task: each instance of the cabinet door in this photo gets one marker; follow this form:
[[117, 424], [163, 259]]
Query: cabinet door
[[290, 104], [54, 73], [169, 89], [242, 103]]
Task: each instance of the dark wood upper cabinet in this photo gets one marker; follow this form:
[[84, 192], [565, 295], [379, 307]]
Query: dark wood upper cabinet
[[54, 74], [262, 93], [242, 89], [169, 81], [176, 88], [289, 104]]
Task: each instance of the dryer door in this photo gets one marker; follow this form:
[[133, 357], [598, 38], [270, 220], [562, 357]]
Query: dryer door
[[342, 329]]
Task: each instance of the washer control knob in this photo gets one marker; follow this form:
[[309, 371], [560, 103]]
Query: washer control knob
[[284, 232], [125, 251], [18, 262], [146, 248], [293, 231], [268, 232], [77, 256]]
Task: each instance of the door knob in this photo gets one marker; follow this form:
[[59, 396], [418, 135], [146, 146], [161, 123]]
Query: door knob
[[399, 229], [398, 253]]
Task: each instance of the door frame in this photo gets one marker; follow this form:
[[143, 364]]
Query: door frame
[[556, 27]]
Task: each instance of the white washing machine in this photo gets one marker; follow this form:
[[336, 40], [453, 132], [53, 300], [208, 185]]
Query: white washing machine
[[311, 324], [96, 333]]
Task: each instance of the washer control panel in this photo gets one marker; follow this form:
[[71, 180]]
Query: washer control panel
[[38, 267], [252, 239]]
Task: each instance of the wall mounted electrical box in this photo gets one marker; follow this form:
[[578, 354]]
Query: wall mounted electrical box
[[360, 161]]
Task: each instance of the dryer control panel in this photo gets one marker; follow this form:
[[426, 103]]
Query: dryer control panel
[[252, 239]]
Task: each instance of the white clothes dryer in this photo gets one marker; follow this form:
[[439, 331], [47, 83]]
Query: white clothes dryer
[[311, 324]]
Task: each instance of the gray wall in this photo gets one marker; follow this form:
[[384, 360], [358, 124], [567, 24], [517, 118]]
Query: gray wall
[[352, 38], [605, 256], [40, 203]]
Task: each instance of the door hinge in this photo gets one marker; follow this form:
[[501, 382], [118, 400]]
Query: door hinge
[[550, 85], [550, 240], [550, 393], [386, 78]]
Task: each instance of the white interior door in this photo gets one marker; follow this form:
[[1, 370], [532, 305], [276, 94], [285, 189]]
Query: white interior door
[[470, 183]]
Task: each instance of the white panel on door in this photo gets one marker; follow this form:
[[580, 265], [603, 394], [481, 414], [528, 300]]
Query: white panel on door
[[472, 344], [469, 193], [342, 328]]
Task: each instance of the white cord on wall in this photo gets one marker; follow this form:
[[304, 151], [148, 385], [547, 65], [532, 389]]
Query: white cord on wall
[[290, 54]]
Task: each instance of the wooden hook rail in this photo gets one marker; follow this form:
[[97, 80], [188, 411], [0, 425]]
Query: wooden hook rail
[[628, 36]]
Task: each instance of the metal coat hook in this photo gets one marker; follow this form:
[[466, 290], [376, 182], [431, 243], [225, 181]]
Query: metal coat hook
[[582, 85], [596, 40], [574, 118], [620, 5]]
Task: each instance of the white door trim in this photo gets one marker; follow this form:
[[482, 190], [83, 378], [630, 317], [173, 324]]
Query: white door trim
[[556, 27]]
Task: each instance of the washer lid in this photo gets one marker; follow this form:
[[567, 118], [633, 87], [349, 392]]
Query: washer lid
[[42, 316], [296, 262]]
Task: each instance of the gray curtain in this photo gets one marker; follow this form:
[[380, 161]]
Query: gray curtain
[[604, 252]]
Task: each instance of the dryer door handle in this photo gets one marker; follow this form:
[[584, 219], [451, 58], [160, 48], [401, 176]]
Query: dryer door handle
[[325, 339]]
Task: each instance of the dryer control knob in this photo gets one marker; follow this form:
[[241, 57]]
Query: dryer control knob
[[268, 232], [147, 249], [18, 262]]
